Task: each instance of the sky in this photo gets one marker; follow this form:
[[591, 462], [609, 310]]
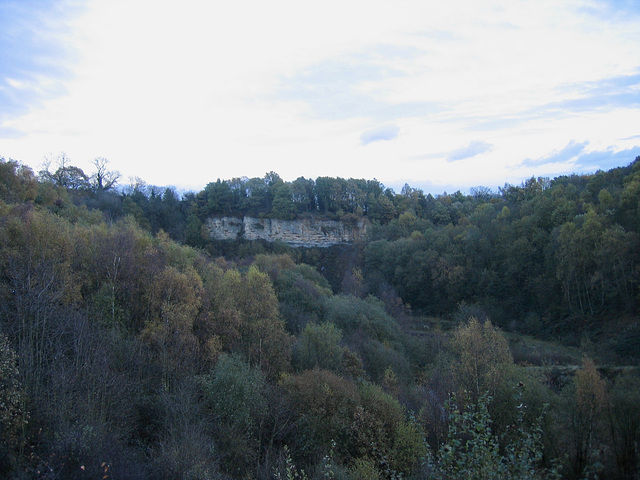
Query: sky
[[443, 96]]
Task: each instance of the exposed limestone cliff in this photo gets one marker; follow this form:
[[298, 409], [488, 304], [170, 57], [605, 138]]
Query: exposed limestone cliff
[[297, 233]]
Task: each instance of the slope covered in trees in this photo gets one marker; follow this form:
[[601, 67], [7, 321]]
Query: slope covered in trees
[[133, 347]]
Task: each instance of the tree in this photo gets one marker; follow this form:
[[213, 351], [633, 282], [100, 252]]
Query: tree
[[383, 210], [482, 355], [328, 193], [325, 404], [103, 179], [283, 206], [74, 178], [257, 196], [174, 300], [472, 450], [481, 194], [62, 162], [352, 314], [185, 446], [246, 320], [271, 179], [353, 283], [300, 289], [193, 234], [17, 182], [219, 198], [319, 347], [624, 422], [586, 419], [235, 396], [171, 218], [13, 417], [380, 433], [303, 194], [264, 339], [66, 175]]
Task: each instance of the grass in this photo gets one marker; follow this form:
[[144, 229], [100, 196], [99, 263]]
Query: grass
[[527, 350]]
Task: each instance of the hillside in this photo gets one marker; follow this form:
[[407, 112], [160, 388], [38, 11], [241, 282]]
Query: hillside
[[463, 334]]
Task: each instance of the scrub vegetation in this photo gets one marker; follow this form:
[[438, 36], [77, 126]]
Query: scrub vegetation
[[476, 336]]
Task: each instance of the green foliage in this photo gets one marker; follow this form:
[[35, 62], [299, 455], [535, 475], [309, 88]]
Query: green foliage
[[67, 175], [378, 357], [290, 472], [535, 248], [174, 301], [235, 396], [374, 424], [353, 314], [472, 450], [319, 347], [234, 392], [301, 291], [246, 319], [361, 424], [365, 469], [409, 449], [17, 182], [97, 295], [283, 206], [588, 401], [482, 357], [325, 404], [520, 386], [383, 434], [219, 197], [370, 332]]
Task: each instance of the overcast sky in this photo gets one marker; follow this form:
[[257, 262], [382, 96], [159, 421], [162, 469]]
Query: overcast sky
[[444, 95]]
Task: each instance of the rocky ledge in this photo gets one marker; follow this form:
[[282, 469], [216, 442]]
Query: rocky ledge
[[298, 233]]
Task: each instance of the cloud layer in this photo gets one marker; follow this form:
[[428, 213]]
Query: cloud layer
[[33, 54], [476, 147], [383, 132], [185, 94]]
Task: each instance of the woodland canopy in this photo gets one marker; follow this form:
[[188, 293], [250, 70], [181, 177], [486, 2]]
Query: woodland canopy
[[481, 335]]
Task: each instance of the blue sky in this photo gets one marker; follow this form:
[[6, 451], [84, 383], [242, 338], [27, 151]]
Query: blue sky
[[441, 95], [33, 55]]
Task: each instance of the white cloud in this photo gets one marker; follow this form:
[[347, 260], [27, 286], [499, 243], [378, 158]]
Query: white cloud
[[475, 147], [186, 94], [566, 154], [382, 132]]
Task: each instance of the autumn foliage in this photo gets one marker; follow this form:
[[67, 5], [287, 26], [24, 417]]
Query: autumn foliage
[[131, 346]]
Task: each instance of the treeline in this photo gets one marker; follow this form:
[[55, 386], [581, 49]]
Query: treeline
[[547, 256], [127, 354], [540, 257], [182, 215]]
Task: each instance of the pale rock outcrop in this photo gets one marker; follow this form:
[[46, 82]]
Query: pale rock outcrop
[[307, 232]]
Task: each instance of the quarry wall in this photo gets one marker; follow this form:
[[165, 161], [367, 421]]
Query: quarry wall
[[307, 232]]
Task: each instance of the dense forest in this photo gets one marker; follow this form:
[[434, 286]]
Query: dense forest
[[482, 335]]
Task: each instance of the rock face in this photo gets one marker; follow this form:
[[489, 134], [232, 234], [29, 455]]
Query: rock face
[[297, 233]]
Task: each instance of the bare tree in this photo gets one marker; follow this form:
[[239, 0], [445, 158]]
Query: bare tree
[[67, 175], [62, 161], [103, 179]]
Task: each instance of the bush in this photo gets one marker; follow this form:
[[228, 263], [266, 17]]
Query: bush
[[472, 450], [319, 346], [235, 396]]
